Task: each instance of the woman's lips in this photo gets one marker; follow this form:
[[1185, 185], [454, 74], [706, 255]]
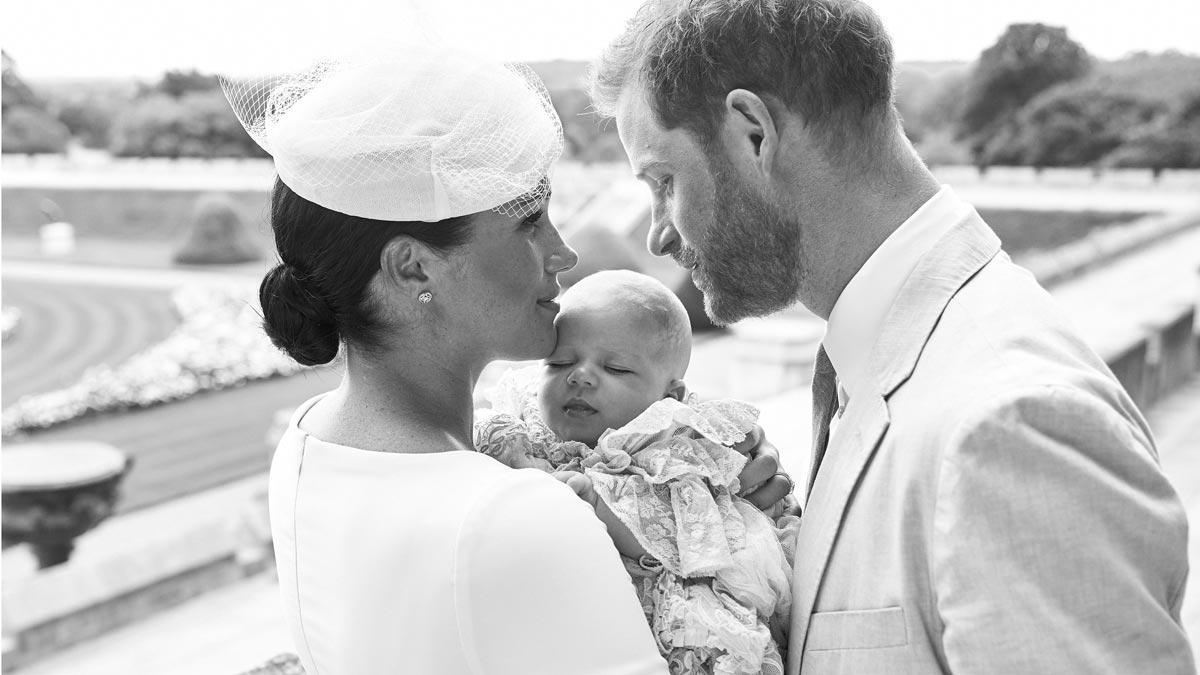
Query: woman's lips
[[548, 304]]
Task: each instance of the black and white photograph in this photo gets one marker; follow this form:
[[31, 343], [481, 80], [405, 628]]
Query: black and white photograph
[[599, 337]]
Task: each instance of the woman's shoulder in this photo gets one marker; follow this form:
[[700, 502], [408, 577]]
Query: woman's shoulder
[[526, 512], [513, 494]]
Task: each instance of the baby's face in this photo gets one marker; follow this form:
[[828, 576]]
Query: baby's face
[[605, 370]]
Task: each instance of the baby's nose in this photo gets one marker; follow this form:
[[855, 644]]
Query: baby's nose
[[580, 377]]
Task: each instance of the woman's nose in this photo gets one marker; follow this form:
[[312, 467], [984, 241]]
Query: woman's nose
[[561, 257], [663, 238]]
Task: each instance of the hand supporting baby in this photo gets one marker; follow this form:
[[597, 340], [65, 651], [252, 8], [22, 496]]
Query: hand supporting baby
[[766, 488], [763, 482]]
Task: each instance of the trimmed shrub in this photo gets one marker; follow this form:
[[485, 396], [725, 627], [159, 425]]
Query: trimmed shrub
[[216, 235]]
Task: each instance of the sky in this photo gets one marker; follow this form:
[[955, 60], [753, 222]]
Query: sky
[[143, 38]]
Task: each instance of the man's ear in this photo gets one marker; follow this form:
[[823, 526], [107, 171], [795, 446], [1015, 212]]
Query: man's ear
[[405, 262], [676, 390], [750, 131]]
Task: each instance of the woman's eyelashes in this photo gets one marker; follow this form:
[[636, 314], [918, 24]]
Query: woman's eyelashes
[[534, 219]]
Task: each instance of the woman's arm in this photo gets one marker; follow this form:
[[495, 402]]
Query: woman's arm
[[540, 588], [620, 535]]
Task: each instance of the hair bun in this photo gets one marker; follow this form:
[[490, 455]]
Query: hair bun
[[297, 318]]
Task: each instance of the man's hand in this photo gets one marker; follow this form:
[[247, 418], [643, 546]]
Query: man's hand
[[764, 484], [622, 538]]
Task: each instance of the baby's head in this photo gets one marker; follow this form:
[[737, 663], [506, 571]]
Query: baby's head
[[624, 341]]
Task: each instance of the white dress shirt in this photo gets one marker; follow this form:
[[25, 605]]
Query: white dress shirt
[[863, 306]]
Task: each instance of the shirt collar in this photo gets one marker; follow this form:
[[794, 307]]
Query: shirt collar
[[860, 311]]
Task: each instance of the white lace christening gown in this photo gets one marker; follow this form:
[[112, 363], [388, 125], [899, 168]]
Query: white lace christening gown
[[720, 601]]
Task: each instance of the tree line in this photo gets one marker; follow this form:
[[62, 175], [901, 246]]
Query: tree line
[[1034, 98]]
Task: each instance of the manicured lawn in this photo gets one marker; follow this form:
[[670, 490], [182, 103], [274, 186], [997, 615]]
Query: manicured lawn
[[1023, 231]]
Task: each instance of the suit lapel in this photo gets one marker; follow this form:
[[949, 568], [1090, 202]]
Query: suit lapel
[[859, 433], [957, 257]]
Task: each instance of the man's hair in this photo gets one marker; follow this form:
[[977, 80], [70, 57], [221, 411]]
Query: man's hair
[[828, 60]]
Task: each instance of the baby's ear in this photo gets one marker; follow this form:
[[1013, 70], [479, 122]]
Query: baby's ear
[[676, 390]]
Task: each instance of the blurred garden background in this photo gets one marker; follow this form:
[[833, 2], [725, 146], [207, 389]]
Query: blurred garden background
[[134, 232]]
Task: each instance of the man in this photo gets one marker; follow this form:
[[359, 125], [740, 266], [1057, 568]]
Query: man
[[988, 499]]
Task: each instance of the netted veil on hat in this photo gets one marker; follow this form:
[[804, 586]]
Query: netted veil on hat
[[420, 133]]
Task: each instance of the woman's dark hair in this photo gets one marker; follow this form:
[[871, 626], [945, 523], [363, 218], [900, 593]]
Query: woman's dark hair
[[315, 297]]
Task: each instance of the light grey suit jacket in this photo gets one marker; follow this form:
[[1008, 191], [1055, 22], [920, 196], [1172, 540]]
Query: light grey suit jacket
[[995, 504]]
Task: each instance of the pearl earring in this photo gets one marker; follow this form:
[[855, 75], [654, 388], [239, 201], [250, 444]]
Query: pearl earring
[[425, 297]]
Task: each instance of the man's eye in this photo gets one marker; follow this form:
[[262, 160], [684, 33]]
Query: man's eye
[[664, 185]]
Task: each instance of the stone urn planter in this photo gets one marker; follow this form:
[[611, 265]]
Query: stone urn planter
[[54, 492]]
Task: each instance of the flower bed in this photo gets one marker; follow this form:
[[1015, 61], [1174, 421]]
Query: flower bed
[[219, 343]]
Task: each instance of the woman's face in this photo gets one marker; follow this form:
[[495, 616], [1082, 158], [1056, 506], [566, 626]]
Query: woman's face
[[507, 280]]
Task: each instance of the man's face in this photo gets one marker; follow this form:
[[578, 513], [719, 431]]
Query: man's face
[[742, 251]]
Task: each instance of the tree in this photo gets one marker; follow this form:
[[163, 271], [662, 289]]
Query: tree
[[88, 118], [13, 90], [198, 124], [26, 126], [177, 83], [1170, 142], [1027, 60], [30, 130], [1073, 124]]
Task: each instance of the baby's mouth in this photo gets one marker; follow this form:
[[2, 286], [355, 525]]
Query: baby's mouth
[[578, 407]]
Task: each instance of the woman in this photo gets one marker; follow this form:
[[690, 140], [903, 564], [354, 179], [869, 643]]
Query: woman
[[410, 219]]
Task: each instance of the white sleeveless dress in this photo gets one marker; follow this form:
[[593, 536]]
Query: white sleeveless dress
[[445, 563]]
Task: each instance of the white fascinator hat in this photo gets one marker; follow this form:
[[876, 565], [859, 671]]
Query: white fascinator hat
[[416, 133]]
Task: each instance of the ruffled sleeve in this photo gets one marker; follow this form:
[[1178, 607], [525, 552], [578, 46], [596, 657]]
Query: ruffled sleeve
[[670, 476]]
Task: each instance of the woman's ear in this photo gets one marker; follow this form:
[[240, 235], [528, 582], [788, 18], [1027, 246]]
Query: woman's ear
[[405, 262], [676, 390], [750, 131]]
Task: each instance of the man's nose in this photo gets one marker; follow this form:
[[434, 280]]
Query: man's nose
[[663, 238]]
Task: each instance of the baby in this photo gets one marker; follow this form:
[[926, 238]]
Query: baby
[[610, 403], [624, 342]]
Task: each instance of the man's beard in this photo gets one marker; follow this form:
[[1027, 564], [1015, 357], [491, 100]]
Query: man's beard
[[748, 255]]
